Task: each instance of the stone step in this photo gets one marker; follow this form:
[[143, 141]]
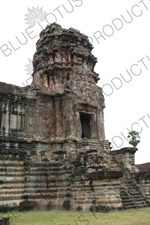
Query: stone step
[[134, 201], [11, 185], [11, 173], [129, 192], [131, 196]]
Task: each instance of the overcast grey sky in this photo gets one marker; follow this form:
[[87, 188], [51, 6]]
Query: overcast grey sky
[[120, 33]]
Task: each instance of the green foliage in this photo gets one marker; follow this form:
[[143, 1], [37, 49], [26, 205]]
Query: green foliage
[[134, 138]]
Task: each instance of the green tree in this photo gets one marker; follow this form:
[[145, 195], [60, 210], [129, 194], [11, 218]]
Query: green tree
[[134, 138]]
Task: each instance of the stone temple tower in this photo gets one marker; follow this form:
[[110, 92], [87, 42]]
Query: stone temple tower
[[64, 74], [53, 152], [69, 115]]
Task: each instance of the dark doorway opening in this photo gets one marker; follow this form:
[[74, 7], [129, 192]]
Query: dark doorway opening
[[86, 127]]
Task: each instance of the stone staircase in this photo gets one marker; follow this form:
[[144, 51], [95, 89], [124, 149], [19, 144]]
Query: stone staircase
[[145, 189], [11, 182], [41, 181], [46, 183], [131, 196]]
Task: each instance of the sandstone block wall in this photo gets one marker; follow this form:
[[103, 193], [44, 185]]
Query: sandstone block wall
[[53, 152]]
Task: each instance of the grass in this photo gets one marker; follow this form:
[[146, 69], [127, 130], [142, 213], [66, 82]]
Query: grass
[[128, 217]]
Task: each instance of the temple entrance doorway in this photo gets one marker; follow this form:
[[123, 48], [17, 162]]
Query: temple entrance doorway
[[86, 125]]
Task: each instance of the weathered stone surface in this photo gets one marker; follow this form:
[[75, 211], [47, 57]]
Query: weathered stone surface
[[52, 141], [4, 221], [143, 180]]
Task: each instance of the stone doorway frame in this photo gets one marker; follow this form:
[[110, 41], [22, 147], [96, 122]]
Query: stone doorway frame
[[92, 115]]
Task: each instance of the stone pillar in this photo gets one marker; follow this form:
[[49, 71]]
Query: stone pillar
[[78, 124], [58, 119], [98, 131], [3, 118], [94, 132], [102, 124], [57, 85], [18, 117], [7, 119], [13, 121], [71, 120], [22, 116]]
